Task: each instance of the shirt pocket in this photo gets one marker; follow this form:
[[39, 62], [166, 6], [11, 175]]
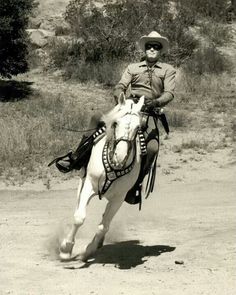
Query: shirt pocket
[[159, 74], [159, 78], [140, 77]]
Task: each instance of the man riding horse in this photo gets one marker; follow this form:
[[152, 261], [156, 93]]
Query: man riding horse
[[149, 78]]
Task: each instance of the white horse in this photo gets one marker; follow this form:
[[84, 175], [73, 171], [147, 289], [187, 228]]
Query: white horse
[[111, 180]]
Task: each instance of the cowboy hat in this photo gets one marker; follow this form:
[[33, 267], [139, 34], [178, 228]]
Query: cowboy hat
[[154, 37]]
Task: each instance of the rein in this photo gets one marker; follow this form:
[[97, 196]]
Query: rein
[[116, 142], [124, 138], [76, 130]]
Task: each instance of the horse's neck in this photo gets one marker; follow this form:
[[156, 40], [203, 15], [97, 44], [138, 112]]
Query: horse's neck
[[134, 153], [98, 151]]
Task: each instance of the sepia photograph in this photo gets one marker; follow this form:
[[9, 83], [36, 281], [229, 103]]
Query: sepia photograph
[[117, 147]]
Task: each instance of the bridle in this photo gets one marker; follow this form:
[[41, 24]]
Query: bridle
[[113, 172], [130, 142]]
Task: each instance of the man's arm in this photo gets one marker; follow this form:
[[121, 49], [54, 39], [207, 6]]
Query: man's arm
[[169, 87], [164, 99], [123, 83]]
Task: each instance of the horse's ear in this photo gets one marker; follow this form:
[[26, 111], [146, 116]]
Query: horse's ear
[[121, 99], [140, 103]]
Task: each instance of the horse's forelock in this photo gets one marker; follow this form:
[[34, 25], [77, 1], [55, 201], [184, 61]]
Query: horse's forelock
[[116, 113]]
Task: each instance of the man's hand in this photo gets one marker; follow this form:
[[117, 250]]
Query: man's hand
[[117, 94], [150, 104]]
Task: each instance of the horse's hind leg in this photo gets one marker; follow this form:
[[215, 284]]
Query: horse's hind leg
[[97, 242], [79, 216]]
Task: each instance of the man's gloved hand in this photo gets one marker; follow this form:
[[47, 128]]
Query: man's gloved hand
[[150, 104], [117, 94]]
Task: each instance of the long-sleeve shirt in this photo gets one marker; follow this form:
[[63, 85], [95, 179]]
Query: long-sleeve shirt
[[152, 82]]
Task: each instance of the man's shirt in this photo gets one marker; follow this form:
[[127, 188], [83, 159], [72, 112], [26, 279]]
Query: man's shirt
[[151, 82]]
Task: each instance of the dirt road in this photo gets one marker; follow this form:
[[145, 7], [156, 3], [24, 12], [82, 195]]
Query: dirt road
[[182, 242]]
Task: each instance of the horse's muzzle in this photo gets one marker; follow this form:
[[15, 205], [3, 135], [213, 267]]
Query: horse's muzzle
[[122, 149]]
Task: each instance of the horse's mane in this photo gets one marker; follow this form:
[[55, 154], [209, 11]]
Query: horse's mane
[[117, 112]]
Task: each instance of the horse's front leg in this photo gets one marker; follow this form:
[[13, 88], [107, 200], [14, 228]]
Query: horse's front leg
[[84, 197], [111, 209]]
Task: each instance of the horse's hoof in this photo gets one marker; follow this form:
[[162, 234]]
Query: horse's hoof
[[84, 258], [65, 257], [66, 250]]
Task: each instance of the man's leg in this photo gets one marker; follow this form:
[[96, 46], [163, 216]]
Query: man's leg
[[94, 124], [134, 195], [80, 158], [152, 152]]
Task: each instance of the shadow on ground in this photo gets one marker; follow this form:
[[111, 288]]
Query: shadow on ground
[[11, 90], [127, 254]]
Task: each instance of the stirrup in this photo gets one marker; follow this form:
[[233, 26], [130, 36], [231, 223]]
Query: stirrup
[[60, 167], [64, 167], [134, 195]]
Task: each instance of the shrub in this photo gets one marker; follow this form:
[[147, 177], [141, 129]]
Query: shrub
[[182, 42], [106, 72], [14, 17], [200, 85], [112, 31], [60, 52], [207, 60], [177, 118], [108, 34], [216, 33], [216, 10]]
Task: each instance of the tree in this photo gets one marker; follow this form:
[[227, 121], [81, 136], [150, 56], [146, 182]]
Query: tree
[[14, 17]]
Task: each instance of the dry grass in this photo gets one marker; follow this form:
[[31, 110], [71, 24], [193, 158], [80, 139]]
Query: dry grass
[[105, 73], [203, 85], [178, 118], [217, 33], [201, 141], [32, 130]]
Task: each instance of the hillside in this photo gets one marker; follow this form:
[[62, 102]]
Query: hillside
[[201, 117]]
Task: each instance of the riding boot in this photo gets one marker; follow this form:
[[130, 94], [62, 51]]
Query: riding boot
[[134, 194], [80, 157]]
